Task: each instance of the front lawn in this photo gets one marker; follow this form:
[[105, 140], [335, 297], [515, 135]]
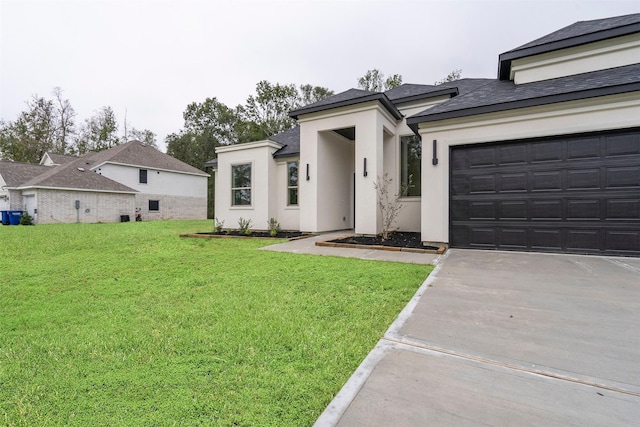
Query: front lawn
[[128, 324]]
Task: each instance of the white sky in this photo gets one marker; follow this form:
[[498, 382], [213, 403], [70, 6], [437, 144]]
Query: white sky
[[152, 58]]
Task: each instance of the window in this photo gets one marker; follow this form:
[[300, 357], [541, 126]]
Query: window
[[410, 164], [292, 183], [241, 185], [143, 176], [154, 205]]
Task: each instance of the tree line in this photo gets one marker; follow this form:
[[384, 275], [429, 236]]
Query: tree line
[[50, 124]]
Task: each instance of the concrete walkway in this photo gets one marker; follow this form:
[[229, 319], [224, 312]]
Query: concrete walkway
[[308, 246], [505, 338]]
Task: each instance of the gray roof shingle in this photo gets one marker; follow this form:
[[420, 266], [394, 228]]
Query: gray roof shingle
[[576, 34], [75, 175], [17, 173], [499, 95], [291, 141], [61, 159]]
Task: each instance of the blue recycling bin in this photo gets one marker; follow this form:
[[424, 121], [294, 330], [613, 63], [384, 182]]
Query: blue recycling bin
[[14, 217], [5, 217]]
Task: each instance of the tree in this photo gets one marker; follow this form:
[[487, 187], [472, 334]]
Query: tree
[[310, 94], [66, 123], [269, 108], [452, 76], [374, 81], [32, 134], [145, 136], [99, 132]]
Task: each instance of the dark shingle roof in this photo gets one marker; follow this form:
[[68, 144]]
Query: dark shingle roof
[[576, 34], [213, 163], [75, 175], [16, 173], [347, 98], [291, 141], [136, 153], [499, 95]]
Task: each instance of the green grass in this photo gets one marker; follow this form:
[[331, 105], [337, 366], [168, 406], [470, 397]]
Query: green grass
[[128, 324]]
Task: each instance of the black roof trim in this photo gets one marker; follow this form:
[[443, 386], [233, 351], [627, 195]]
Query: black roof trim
[[378, 96], [505, 59], [413, 122], [211, 163], [452, 91]]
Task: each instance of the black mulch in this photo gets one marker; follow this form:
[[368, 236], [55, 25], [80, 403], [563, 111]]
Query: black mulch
[[396, 239], [280, 235]]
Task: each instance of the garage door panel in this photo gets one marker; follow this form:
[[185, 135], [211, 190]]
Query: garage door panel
[[513, 210], [628, 209], [546, 152], [583, 179], [583, 209], [514, 182], [623, 145], [546, 181], [583, 149], [623, 177], [513, 155], [578, 194], [583, 240]]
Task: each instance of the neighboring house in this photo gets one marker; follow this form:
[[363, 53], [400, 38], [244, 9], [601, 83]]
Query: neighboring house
[[544, 158], [102, 187]]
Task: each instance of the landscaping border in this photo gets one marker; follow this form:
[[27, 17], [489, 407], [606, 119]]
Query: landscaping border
[[438, 251]]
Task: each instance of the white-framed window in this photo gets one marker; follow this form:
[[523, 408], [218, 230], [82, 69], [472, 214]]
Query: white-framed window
[[292, 183], [411, 164], [241, 184]]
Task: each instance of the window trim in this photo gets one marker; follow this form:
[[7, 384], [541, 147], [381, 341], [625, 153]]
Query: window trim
[[157, 202], [250, 188], [404, 165], [291, 187], [142, 172]]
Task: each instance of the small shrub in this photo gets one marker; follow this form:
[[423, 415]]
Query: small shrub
[[274, 227], [26, 219], [389, 203], [244, 226], [218, 226]]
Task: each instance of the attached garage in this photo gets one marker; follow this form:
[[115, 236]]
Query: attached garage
[[573, 194]]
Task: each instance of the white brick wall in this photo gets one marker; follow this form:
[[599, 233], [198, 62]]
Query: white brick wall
[[171, 207], [58, 206]]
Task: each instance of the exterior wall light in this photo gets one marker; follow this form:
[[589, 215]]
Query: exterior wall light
[[307, 171], [365, 166], [434, 161]]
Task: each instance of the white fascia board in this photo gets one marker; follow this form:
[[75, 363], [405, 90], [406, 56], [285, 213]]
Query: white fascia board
[[249, 145], [567, 109], [350, 109], [148, 168]]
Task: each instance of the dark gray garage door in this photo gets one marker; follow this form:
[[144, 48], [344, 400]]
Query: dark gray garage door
[[576, 194]]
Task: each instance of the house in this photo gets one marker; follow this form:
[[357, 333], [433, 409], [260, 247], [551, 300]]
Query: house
[[544, 158], [106, 186]]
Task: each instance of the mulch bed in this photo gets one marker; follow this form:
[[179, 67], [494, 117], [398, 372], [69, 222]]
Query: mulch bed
[[261, 234], [396, 239]]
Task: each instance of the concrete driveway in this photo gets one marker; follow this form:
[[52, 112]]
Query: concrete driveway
[[505, 338]]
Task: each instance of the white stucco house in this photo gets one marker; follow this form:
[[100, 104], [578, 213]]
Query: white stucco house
[[107, 186], [544, 158]]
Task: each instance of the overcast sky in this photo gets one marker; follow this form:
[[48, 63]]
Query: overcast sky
[[152, 58]]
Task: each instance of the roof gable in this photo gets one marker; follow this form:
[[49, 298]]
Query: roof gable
[[137, 154], [348, 98], [579, 33], [77, 176], [502, 95]]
